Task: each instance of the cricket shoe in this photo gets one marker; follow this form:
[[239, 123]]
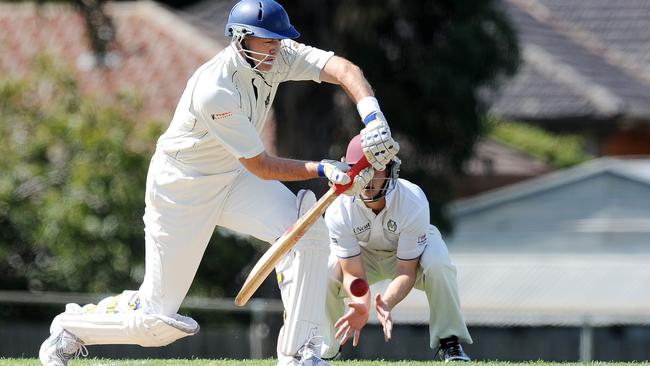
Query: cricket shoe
[[310, 353], [285, 360], [305, 358], [60, 347], [451, 350]]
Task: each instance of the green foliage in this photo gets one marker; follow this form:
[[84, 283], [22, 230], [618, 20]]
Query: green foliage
[[427, 60], [560, 151], [72, 185], [72, 192]]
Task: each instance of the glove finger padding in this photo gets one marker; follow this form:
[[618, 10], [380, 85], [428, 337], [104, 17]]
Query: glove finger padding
[[377, 143], [381, 154], [361, 180], [334, 171]]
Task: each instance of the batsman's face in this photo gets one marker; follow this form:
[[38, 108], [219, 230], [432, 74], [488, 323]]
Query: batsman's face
[[376, 184], [264, 51]]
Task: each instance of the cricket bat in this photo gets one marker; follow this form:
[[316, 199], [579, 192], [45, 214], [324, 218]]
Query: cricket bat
[[267, 263]]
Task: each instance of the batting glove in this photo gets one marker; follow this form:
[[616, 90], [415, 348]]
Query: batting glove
[[334, 171], [361, 181], [377, 144]]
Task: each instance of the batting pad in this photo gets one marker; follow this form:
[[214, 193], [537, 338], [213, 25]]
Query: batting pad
[[302, 278], [120, 323]]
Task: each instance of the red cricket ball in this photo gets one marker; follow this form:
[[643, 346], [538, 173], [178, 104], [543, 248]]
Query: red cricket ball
[[359, 287]]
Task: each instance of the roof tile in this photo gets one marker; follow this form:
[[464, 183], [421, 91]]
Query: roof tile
[[606, 47], [153, 60]]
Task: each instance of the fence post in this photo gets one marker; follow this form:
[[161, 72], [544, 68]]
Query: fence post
[[586, 341], [258, 329]]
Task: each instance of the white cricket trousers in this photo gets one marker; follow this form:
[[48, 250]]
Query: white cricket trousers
[[182, 209], [436, 276]]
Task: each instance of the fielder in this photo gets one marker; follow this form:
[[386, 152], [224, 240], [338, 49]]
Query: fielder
[[210, 169], [384, 233]]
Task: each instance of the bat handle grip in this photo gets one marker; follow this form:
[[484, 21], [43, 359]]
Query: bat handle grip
[[356, 168]]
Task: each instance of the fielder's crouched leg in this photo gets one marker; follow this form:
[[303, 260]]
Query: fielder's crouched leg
[[437, 278], [302, 278], [114, 320]]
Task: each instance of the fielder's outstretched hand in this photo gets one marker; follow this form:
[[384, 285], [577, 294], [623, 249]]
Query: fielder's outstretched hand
[[351, 323], [383, 313], [377, 143]]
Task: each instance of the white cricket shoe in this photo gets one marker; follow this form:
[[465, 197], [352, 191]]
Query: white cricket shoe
[[60, 347], [310, 354]]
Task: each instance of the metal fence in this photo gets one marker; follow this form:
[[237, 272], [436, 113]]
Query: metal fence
[[253, 334]]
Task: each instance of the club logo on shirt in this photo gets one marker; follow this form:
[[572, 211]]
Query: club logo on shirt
[[359, 229], [222, 115], [392, 226]]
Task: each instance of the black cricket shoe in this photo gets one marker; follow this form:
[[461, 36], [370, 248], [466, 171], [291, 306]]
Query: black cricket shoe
[[451, 351]]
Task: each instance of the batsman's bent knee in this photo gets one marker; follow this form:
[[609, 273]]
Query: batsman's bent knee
[[317, 234]]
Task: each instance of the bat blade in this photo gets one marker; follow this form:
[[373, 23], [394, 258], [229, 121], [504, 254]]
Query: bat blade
[[272, 256]]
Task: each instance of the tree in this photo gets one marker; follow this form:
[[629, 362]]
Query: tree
[[428, 62], [72, 192], [557, 150]]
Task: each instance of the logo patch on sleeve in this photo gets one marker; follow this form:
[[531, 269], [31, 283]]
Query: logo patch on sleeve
[[221, 115], [422, 239], [359, 229]]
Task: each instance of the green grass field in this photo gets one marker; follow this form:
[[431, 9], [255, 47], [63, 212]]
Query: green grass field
[[271, 362]]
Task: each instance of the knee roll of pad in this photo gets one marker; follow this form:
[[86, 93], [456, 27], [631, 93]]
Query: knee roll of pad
[[318, 232]]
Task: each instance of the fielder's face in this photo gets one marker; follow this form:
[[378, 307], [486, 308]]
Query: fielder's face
[[263, 52], [376, 184]]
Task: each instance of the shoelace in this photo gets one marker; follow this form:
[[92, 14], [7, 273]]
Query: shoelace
[[453, 350], [310, 347], [82, 351]]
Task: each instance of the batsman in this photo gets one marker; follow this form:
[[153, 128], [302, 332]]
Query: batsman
[[384, 233], [211, 169]]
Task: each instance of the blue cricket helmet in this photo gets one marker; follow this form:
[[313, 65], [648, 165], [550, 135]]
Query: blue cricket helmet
[[262, 19]]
